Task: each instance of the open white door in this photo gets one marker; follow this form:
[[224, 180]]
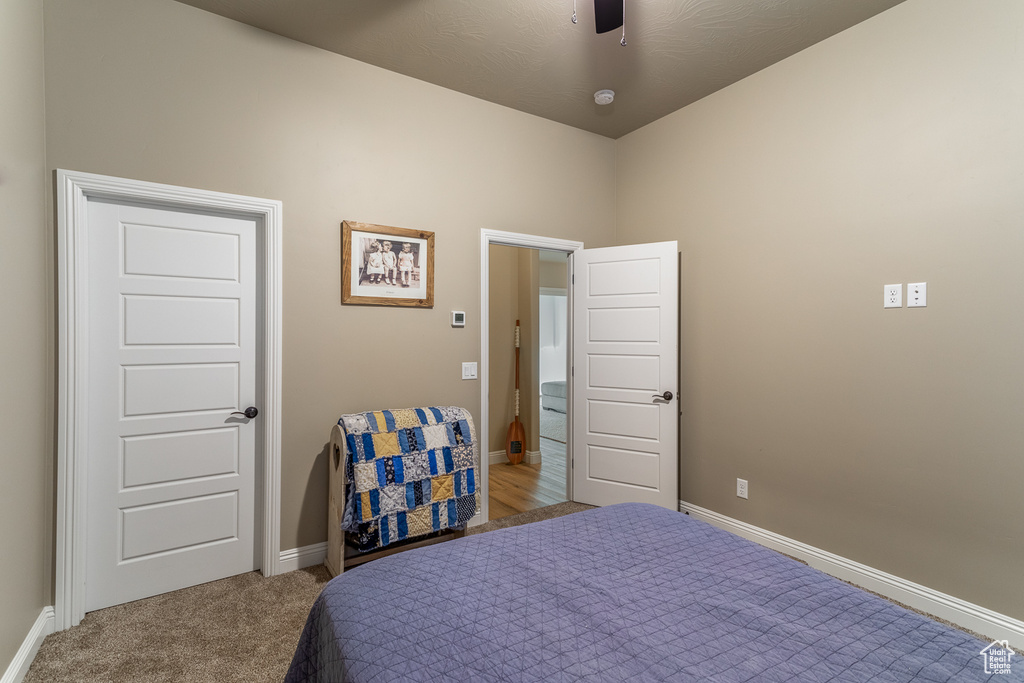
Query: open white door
[[624, 375]]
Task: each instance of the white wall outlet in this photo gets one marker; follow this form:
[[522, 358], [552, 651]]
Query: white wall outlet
[[893, 296], [469, 371], [917, 294], [741, 488]]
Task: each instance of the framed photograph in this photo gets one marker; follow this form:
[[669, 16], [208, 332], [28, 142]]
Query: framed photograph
[[385, 266]]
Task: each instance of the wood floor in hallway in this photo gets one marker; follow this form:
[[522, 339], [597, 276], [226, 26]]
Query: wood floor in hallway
[[522, 487]]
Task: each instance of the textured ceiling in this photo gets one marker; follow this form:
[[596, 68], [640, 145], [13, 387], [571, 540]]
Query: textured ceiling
[[528, 55]]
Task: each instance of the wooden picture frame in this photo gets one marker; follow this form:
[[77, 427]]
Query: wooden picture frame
[[386, 266]]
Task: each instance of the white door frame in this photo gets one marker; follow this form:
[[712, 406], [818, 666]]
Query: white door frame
[[74, 190], [511, 239]]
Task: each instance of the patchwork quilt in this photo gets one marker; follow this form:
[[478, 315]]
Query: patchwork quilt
[[410, 472]]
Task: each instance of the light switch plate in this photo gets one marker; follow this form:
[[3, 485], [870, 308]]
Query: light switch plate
[[917, 294], [469, 370]]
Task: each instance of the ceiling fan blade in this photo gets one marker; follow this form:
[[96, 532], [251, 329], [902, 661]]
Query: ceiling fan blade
[[608, 14]]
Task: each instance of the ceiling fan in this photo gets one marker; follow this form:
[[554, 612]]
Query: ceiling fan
[[608, 16]]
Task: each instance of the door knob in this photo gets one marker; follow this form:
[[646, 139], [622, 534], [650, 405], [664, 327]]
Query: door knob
[[249, 412], [667, 396]]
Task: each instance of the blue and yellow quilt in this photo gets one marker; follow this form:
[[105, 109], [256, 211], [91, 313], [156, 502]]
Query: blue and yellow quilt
[[410, 472]]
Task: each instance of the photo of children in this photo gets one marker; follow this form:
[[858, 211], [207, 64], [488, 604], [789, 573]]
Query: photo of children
[[374, 263], [405, 263], [383, 265], [388, 264]]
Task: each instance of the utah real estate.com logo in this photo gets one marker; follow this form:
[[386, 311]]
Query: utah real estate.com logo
[[997, 657]]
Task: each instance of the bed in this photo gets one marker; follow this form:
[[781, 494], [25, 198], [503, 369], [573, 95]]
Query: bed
[[625, 592], [552, 396]]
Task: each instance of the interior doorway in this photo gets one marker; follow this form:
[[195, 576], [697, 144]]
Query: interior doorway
[[623, 340], [77, 194], [527, 286], [511, 284]]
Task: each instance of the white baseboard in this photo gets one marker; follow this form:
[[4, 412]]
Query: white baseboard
[[989, 623], [530, 457], [300, 558], [29, 647]]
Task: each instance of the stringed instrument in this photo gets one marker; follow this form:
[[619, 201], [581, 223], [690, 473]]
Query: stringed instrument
[[515, 439]]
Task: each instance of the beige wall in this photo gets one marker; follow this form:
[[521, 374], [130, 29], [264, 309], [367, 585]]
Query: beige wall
[[25, 333], [513, 295], [893, 152], [529, 351], [503, 302], [158, 91], [554, 274]]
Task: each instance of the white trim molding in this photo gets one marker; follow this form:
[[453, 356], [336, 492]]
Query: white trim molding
[[989, 623], [74, 191], [529, 457], [508, 239], [300, 558], [18, 667]]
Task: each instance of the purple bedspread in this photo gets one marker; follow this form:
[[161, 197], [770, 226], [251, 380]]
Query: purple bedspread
[[623, 593]]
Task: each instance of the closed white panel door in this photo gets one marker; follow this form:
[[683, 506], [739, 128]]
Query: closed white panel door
[[172, 353], [625, 369]]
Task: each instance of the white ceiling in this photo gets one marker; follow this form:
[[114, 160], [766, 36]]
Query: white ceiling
[[528, 55]]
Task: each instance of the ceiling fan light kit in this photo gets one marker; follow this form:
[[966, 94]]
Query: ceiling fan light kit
[[608, 16]]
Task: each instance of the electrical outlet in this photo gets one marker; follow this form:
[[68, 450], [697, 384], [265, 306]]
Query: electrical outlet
[[741, 488], [893, 296], [917, 294]]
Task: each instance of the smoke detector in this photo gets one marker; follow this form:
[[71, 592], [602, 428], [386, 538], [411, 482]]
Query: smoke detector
[[604, 96]]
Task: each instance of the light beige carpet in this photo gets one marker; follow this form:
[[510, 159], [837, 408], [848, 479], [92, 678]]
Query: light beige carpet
[[242, 629], [552, 425], [238, 630]]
